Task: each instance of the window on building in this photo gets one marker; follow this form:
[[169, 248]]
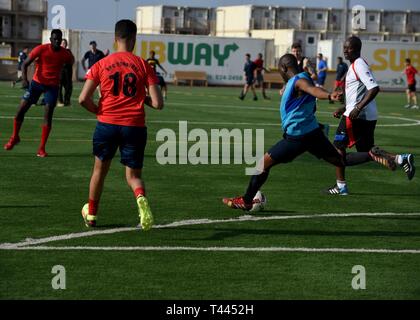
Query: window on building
[[310, 40], [371, 18], [397, 18], [176, 14], [266, 14], [320, 16]]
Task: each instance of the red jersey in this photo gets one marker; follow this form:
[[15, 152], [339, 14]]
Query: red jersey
[[260, 64], [410, 71], [123, 78], [49, 64]]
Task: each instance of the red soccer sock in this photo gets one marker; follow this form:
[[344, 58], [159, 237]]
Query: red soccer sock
[[45, 133], [139, 192], [93, 207], [16, 127]]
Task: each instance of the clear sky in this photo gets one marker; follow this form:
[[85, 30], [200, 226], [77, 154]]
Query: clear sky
[[101, 14]]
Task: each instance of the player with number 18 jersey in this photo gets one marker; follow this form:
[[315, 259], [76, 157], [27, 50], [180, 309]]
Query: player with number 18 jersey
[[123, 77]]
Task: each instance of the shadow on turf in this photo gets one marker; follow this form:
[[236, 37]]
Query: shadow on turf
[[22, 206], [223, 234]]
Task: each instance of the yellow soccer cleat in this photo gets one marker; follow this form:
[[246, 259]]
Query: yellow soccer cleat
[[90, 220], [145, 214]]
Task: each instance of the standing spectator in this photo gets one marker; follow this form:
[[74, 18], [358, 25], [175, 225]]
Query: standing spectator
[[322, 70], [22, 56], [304, 64], [66, 81], [154, 63], [259, 63], [411, 72], [340, 79], [249, 69], [93, 56]]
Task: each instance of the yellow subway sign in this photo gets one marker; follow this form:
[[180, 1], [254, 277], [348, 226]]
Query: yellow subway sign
[[387, 61]]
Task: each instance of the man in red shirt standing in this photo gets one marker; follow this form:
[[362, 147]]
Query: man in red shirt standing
[[123, 79], [259, 74], [411, 72], [50, 59]]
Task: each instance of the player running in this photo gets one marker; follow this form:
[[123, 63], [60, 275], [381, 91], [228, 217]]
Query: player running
[[123, 78], [259, 63], [411, 72], [50, 59], [249, 69], [301, 129], [154, 63], [358, 120]]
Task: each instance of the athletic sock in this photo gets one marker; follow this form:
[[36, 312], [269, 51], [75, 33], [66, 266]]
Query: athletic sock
[[398, 159], [255, 184], [16, 127], [139, 192], [93, 207], [341, 184], [45, 133]]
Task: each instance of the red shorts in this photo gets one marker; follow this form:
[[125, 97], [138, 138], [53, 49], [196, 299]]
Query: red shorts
[[340, 84]]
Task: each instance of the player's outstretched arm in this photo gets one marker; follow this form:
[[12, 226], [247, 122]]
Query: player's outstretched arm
[[86, 96], [155, 98], [317, 92]]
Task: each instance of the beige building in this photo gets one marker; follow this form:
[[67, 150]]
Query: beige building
[[175, 20], [309, 25], [22, 22]]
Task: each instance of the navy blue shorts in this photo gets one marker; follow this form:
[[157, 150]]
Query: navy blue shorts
[[321, 80], [249, 80], [130, 140], [162, 82], [36, 89], [315, 142]]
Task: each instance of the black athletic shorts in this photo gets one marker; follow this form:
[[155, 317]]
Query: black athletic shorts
[[412, 87], [162, 82], [315, 142], [358, 132]]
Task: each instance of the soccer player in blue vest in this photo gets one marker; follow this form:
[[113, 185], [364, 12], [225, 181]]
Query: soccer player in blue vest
[[302, 131]]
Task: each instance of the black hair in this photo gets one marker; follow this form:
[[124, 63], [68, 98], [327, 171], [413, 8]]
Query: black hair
[[248, 55], [125, 29], [408, 60], [340, 59], [57, 32], [296, 45], [355, 43], [289, 61]]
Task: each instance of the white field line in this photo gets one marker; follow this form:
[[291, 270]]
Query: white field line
[[32, 242], [223, 249], [412, 122]]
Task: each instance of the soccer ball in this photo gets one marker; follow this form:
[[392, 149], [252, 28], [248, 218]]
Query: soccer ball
[[259, 202]]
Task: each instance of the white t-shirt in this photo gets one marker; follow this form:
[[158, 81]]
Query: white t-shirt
[[359, 80]]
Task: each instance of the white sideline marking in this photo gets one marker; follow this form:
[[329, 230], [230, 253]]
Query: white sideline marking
[[225, 249], [412, 122], [31, 242]]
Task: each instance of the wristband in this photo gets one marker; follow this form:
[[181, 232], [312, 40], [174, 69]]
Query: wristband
[[329, 96]]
